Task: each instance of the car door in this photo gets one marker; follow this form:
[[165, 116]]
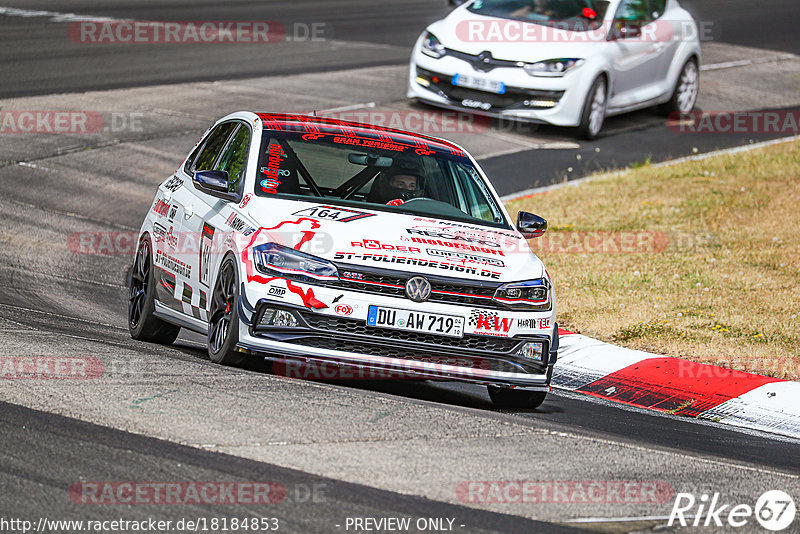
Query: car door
[[174, 251], [208, 216], [670, 33], [637, 50]]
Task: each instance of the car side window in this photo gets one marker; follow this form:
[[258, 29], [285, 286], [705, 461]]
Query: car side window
[[634, 11], [472, 196], [657, 8], [234, 158], [212, 147]]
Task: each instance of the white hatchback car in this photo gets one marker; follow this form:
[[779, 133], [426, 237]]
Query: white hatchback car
[[312, 241], [562, 62]]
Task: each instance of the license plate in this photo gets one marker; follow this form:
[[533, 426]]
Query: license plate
[[482, 84], [416, 321]]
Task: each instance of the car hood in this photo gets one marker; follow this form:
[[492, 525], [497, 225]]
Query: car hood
[[453, 32], [376, 239]]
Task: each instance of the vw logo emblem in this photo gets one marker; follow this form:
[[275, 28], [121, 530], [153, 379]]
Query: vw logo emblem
[[483, 62], [418, 289]]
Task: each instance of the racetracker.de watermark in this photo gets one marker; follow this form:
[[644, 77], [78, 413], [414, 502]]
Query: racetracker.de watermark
[[431, 122], [69, 122], [49, 368], [195, 32], [739, 368], [601, 242], [187, 244], [516, 31], [566, 491], [211, 493], [781, 122], [382, 368]]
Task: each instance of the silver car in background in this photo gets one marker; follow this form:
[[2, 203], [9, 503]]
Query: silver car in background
[[562, 62]]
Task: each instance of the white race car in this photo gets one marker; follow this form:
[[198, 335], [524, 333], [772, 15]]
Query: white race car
[[312, 241], [562, 62]]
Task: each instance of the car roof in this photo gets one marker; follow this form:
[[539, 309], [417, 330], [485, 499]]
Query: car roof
[[331, 126]]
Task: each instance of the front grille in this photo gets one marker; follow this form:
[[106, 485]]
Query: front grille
[[353, 335], [483, 62], [513, 98], [444, 290], [468, 342], [454, 92]]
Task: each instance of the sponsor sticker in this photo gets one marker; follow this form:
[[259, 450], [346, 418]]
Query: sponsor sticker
[[173, 184], [452, 236], [343, 309], [490, 323], [277, 292], [237, 224], [465, 257], [206, 242], [374, 244], [332, 213], [417, 262]]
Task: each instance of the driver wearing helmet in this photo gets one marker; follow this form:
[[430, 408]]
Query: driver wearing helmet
[[398, 185]]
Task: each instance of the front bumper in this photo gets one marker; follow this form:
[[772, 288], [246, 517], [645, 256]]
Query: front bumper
[[325, 340], [557, 101]]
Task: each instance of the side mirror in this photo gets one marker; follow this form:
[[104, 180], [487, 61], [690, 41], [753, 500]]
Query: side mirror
[[626, 30], [214, 183], [530, 225]]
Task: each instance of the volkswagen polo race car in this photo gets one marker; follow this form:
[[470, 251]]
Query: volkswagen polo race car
[[309, 241]]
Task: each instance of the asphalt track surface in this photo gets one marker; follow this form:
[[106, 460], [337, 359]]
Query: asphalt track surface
[[168, 414], [35, 58]]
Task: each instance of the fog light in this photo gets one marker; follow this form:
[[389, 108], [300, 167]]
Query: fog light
[[532, 351], [540, 103], [282, 318], [423, 82]]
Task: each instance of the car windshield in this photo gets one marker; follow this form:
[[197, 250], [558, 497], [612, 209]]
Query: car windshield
[[382, 173], [575, 15]]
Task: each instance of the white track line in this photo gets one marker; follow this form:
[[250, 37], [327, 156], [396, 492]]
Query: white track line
[[352, 107], [621, 519], [54, 16], [746, 62]]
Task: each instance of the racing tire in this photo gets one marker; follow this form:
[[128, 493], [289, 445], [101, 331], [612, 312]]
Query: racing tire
[[142, 323], [516, 398], [594, 110], [223, 317], [684, 95]]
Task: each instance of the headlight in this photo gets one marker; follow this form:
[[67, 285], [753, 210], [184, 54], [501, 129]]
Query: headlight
[[552, 67], [274, 259], [530, 295], [432, 47]]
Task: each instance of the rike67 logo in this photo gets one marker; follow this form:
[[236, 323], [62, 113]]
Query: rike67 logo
[[774, 510]]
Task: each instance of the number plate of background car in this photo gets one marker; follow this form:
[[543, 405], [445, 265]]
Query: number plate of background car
[[482, 84]]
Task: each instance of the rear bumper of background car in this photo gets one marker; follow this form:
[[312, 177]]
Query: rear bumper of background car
[[339, 347]]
